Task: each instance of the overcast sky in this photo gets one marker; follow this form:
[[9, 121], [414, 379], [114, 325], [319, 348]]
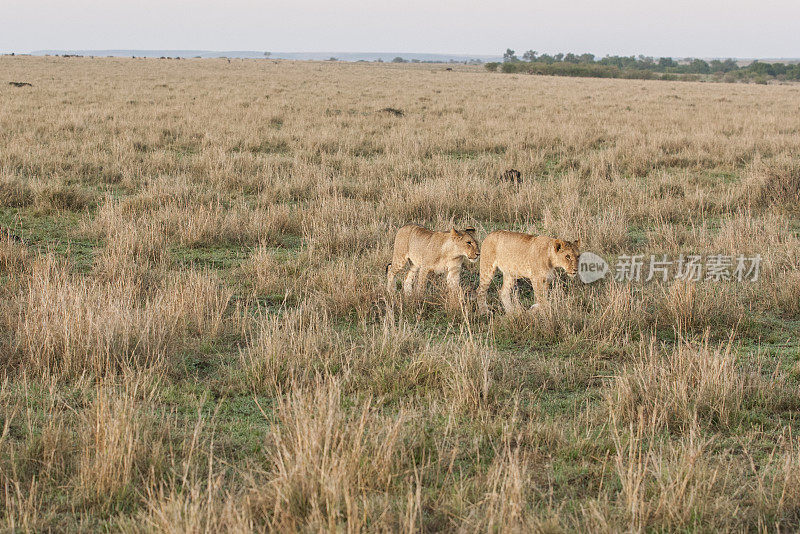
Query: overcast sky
[[700, 28]]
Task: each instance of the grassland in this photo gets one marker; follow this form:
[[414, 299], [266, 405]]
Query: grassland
[[195, 335]]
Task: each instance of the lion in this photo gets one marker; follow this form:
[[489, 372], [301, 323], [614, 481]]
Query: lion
[[426, 251], [519, 255]]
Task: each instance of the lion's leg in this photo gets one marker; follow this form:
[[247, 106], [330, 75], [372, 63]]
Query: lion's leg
[[540, 289], [422, 282], [391, 272], [408, 284], [515, 295], [487, 273], [507, 292], [454, 282]]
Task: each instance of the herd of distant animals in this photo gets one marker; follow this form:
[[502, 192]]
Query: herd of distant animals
[[514, 254]]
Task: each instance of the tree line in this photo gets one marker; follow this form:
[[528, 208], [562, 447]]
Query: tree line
[[643, 67]]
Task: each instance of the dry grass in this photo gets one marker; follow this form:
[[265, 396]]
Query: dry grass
[[69, 325], [194, 334], [676, 389], [328, 466], [289, 349], [121, 448], [774, 183]]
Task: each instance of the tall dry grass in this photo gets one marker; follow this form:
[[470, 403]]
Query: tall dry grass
[[194, 334], [675, 389], [330, 468], [68, 325]]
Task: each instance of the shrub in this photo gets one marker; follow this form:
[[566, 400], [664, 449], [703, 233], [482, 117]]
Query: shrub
[[509, 67]]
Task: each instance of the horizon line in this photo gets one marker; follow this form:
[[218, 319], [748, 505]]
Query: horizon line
[[326, 52]]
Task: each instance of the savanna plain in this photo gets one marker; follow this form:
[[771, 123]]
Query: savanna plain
[[195, 333]]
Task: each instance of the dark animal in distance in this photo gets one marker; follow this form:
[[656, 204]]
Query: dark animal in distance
[[394, 111], [20, 84], [7, 234], [512, 175]]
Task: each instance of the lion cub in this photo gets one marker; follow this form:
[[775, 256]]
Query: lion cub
[[520, 255], [426, 250]]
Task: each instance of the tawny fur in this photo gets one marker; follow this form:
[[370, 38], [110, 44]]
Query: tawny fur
[[427, 251], [519, 255]]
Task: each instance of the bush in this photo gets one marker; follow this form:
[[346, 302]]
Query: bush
[[509, 67]]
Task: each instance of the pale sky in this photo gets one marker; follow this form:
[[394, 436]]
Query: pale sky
[[678, 28]]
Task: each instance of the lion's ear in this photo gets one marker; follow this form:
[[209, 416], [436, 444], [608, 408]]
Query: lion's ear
[[557, 244], [471, 231], [578, 243], [453, 232]]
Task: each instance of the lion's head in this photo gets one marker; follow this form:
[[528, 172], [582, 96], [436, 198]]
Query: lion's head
[[465, 243], [565, 254]]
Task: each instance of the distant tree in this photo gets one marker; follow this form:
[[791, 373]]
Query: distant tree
[[333, 59], [666, 63], [530, 55], [698, 66], [716, 65], [586, 58], [267, 54], [558, 57], [761, 69], [779, 69], [609, 60], [722, 66], [398, 59], [570, 58], [509, 66], [730, 64], [510, 55]]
